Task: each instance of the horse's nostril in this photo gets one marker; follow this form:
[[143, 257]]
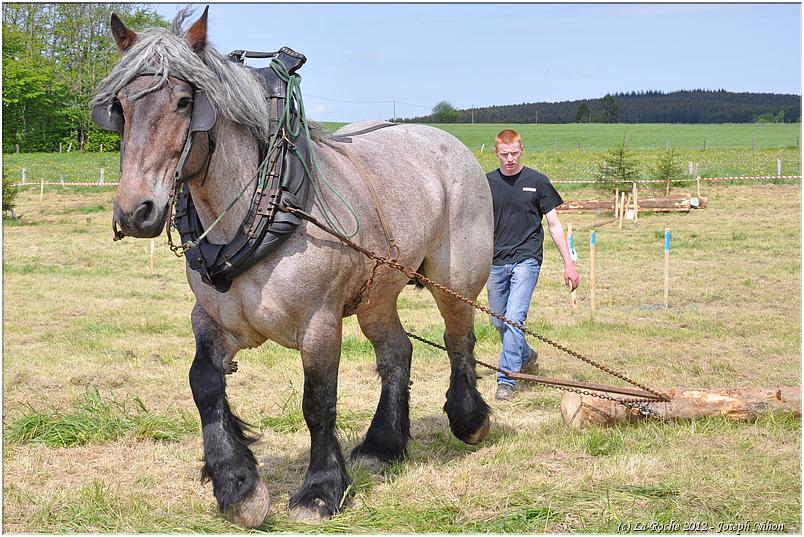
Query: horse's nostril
[[144, 212]]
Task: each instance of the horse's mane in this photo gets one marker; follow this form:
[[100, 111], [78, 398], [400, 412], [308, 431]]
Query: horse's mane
[[234, 91]]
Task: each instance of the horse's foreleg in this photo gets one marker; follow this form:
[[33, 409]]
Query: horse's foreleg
[[229, 463], [388, 434], [321, 494]]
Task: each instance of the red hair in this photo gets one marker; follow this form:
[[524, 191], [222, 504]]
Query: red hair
[[507, 137]]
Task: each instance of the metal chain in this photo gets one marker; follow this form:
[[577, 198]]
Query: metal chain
[[413, 275], [627, 402]]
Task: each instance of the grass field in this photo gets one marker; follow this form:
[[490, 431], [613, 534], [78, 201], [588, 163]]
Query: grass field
[[101, 434], [561, 151], [600, 137]]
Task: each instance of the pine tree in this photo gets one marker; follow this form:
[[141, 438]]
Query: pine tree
[[619, 166], [668, 167]]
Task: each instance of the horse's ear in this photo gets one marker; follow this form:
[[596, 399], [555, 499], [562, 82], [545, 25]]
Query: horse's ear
[[123, 37], [197, 34]]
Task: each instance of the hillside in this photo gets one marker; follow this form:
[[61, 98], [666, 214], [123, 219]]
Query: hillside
[[686, 106]]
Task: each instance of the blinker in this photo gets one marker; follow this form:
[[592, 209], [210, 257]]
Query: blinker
[[204, 116]]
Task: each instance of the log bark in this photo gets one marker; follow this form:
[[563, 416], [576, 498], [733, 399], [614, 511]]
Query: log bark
[[739, 404], [672, 203]]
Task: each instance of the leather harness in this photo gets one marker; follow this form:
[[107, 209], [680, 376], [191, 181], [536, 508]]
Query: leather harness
[[268, 222]]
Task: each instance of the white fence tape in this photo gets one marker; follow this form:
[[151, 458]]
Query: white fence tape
[[555, 182]]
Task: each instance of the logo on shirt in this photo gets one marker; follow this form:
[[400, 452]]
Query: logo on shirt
[[528, 189]]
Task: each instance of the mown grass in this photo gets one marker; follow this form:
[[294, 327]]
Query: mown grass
[[83, 313]]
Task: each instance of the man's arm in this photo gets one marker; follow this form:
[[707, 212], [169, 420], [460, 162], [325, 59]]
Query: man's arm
[[557, 232]]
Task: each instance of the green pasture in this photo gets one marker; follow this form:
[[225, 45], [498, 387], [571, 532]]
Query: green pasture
[[100, 432], [600, 137], [551, 149]]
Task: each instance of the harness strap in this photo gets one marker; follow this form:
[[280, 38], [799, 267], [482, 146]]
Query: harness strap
[[393, 248]]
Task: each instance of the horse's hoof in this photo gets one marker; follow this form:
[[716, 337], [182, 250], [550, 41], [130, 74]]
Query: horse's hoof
[[478, 436], [369, 463], [251, 512], [311, 515]]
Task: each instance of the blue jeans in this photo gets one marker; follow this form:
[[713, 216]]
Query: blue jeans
[[510, 289]]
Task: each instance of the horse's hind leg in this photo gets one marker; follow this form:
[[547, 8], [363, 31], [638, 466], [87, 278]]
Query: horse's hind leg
[[388, 434], [229, 462], [468, 413]]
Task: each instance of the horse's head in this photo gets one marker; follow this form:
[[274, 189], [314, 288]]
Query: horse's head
[[158, 115]]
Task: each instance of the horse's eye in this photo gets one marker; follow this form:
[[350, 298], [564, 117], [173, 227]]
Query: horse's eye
[[184, 102]]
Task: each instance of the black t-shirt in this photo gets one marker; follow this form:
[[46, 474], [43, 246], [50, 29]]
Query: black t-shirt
[[520, 201]]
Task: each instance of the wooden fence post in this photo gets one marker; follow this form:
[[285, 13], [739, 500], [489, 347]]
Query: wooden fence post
[[24, 176], [666, 267], [592, 249], [102, 176], [698, 185], [574, 257], [779, 166], [636, 203], [41, 189]]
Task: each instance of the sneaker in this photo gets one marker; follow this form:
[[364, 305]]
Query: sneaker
[[504, 392], [531, 367]]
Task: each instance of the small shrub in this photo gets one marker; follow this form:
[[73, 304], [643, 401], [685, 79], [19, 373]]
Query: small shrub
[[10, 191], [619, 166], [668, 167]]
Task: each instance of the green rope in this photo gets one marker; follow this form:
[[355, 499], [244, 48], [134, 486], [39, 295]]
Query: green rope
[[293, 101]]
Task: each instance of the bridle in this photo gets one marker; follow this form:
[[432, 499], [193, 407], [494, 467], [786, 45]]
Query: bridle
[[203, 118]]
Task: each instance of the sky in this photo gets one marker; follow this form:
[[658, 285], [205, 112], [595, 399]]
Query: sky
[[380, 61]]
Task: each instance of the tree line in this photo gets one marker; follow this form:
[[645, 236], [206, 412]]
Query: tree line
[[686, 106], [54, 55]]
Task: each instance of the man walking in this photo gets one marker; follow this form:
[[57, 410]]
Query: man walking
[[521, 197]]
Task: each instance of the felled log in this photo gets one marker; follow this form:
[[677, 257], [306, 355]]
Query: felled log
[[739, 404], [672, 203]]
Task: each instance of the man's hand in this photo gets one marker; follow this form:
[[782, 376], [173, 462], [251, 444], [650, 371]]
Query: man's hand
[[570, 276]]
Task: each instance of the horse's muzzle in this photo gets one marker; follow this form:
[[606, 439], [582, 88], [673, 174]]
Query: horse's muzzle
[[145, 220]]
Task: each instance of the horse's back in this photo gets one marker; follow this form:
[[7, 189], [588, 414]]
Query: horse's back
[[445, 188]]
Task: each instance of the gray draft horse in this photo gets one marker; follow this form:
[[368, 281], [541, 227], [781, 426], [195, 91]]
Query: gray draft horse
[[437, 203]]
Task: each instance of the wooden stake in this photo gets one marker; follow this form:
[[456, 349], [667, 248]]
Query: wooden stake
[[736, 404], [24, 176], [636, 203], [617, 202], [666, 267], [41, 189], [698, 185], [102, 176], [592, 248], [574, 256], [625, 208], [153, 250]]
